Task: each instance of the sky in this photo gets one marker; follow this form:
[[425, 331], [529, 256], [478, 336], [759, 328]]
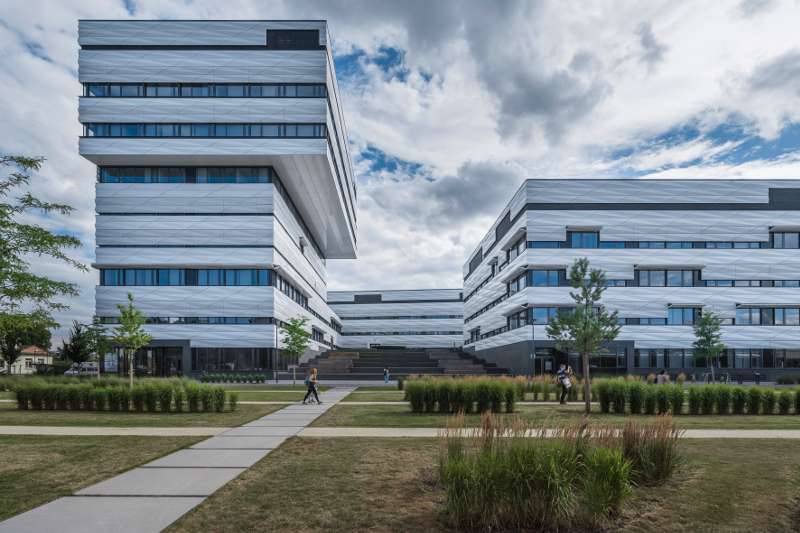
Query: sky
[[451, 104]]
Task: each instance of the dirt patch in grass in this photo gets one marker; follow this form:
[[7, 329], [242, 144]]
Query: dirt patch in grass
[[329, 485], [401, 416], [37, 469], [11, 416]]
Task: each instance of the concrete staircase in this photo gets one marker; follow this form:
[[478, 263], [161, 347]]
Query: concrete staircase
[[369, 364]]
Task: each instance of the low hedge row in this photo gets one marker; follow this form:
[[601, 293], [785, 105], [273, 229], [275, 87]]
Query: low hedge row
[[453, 395], [231, 377], [635, 397], [151, 396]]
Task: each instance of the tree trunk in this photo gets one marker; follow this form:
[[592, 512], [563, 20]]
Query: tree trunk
[[587, 386], [130, 368], [711, 365]]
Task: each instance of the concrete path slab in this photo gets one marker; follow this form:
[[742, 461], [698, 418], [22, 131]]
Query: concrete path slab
[[163, 482], [112, 431], [76, 514], [240, 443], [209, 459], [274, 423], [283, 431]]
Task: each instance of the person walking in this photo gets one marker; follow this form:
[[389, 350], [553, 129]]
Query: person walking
[[385, 376], [662, 378], [564, 380], [311, 382]]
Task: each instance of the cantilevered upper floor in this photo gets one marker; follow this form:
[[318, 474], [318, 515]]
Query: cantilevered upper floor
[[223, 93]]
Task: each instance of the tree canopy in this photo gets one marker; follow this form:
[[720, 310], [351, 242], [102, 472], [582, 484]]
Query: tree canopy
[[18, 330], [129, 334], [295, 336], [708, 345]]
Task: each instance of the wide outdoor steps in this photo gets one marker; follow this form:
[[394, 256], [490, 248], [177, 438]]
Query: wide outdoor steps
[[369, 364]]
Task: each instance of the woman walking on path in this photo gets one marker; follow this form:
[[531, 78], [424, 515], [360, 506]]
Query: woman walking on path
[[311, 383], [385, 376]]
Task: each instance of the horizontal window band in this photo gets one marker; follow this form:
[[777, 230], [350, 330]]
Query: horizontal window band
[[185, 246], [189, 321], [193, 47], [409, 317], [392, 333], [333, 303]]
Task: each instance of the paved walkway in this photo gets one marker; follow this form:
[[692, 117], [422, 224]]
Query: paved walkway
[[328, 432], [152, 496]]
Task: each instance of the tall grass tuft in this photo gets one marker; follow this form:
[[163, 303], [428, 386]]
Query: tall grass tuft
[[770, 400], [676, 398], [636, 393], [650, 400], [604, 396], [662, 399], [652, 449], [606, 483], [233, 400], [708, 398]]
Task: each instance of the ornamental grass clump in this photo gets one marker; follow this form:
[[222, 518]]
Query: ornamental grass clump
[[508, 475], [233, 400], [769, 400], [207, 398], [636, 393], [650, 400], [739, 400], [754, 400], [468, 394], [724, 397], [219, 399], [618, 389], [695, 401], [784, 402], [444, 391], [708, 398], [165, 396], [662, 399], [676, 398], [652, 449], [604, 395]]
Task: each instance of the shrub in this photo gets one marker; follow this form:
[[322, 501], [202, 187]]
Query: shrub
[[651, 378], [510, 399], [60, 393], [192, 396], [754, 398], [536, 389], [636, 392], [414, 394], [707, 399], [652, 449], [723, 399], [124, 398], [694, 400], [219, 399], [233, 400], [178, 397], [606, 483], [443, 392], [469, 395], [114, 398], [23, 396], [650, 400], [676, 397], [36, 396], [662, 399], [786, 380], [100, 398], [784, 402], [49, 395], [86, 397], [137, 397], [482, 397], [496, 395], [604, 395], [207, 398], [457, 398], [797, 401], [770, 399], [400, 383], [150, 397], [618, 391], [739, 400], [165, 394], [74, 397]]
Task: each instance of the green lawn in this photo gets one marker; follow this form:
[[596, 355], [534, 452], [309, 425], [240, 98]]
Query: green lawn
[[11, 416], [379, 388], [388, 395], [387, 485], [253, 387], [271, 395], [401, 416], [6, 395], [37, 469]]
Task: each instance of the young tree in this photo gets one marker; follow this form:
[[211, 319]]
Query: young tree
[[129, 334], [18, 330], [585, 329], [708, 344], [76, 348], [295, 337]]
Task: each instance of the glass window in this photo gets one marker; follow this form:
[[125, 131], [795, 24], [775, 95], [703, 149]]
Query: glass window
[[97, 89], [682, 316], [583, 239], [201, 130], [305, 91], [130, 90], [270, 130], [110, 277], [748, 316], [290, 130], [289, 91], [791, 316], [306, 130], [544, 244], [786, 240]]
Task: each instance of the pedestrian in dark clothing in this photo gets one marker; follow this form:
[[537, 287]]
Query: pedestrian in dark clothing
[[565, 382], [311, 383]]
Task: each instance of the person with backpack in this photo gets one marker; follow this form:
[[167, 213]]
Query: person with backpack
[[563, 376], [311, 382], [385, 376]]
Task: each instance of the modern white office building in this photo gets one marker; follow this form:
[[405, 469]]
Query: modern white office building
[[671, 250], [399, 319], [224, 184]]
